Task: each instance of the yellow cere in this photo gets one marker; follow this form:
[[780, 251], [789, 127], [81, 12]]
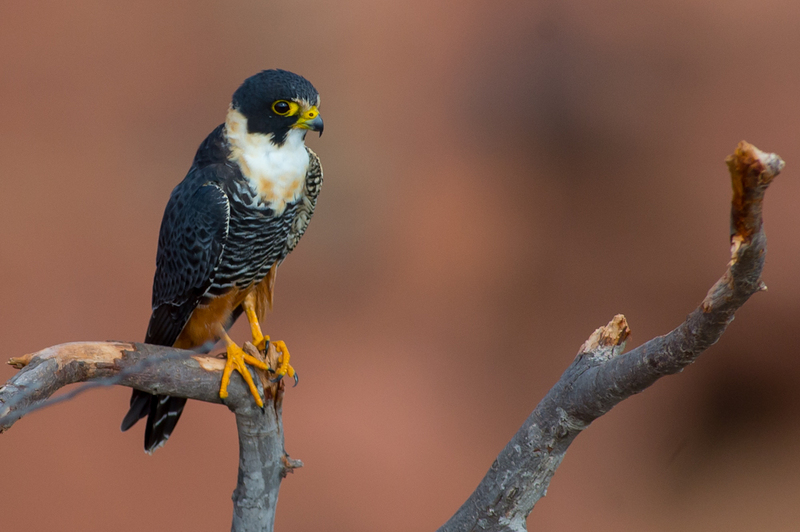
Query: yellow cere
[[309, 114]]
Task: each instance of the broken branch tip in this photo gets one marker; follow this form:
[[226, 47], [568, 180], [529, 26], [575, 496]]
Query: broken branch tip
[[612, 335]]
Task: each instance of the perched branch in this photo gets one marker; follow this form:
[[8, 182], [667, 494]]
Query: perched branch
[[162, 370], [600, 376]]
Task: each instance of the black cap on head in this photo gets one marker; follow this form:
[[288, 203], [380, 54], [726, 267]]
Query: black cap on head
[[273, 85], [256, 95]]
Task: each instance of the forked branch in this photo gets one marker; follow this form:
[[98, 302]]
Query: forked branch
[[601, 376]]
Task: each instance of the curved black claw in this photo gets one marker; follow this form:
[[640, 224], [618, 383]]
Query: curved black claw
[[280, 377]]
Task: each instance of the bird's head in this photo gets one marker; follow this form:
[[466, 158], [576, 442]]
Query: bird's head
[[276, 102]]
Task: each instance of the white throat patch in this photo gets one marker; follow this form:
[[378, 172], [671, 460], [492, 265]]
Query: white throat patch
[[278, 173]]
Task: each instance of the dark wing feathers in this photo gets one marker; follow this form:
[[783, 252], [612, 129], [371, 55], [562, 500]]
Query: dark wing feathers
[[190, 243]]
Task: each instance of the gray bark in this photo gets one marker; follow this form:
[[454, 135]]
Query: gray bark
[[162, 370]]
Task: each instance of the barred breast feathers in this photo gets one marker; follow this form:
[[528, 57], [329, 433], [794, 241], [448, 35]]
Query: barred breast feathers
[[277, 173], [305, 210]]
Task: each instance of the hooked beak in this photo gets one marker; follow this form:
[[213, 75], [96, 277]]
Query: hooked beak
[[315, 124], [311, 120]]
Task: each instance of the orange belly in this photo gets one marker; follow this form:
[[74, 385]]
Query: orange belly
[[204, 324], [207, 320]]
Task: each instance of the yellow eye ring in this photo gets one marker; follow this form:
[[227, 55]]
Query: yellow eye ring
[[282, 108]]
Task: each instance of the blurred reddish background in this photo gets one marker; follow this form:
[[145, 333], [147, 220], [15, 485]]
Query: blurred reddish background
[[501, 179]]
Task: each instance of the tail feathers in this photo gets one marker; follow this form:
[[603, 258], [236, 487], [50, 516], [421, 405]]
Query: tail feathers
[[165, 411], [162, 411], [140, 407]]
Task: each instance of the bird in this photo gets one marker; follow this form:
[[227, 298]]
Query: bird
[[241, 209]]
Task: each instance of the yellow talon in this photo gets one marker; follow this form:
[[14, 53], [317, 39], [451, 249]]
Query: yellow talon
[[262, 344], [259, 340], [238, 360], [284, 368]]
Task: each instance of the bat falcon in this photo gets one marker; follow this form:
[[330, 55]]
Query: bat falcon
[[243, 206]]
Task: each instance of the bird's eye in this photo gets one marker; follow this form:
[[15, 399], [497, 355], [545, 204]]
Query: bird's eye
[[281, 107]]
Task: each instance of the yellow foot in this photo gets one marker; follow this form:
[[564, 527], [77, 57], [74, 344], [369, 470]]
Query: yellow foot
[[262, 344], [283, 363], [237, 359]]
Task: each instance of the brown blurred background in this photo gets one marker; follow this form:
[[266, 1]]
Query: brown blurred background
[[501, 179]]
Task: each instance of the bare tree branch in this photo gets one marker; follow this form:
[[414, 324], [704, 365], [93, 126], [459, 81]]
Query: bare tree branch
[[162, 370], [600, 377]]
